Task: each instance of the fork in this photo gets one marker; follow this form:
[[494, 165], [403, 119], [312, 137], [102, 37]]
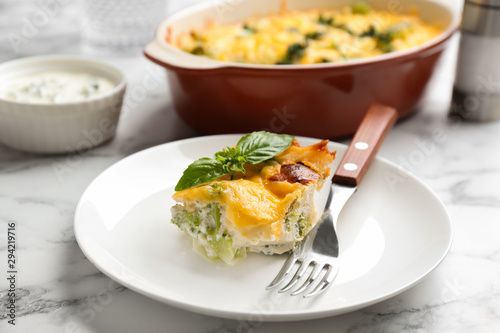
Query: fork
[[318, 252]]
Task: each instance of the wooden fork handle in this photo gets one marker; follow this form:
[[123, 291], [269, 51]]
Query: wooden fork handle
[[374, 127]]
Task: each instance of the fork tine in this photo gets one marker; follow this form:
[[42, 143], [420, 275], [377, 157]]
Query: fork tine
[[310, 279], [325, 281], [300, 271], [287, 267]]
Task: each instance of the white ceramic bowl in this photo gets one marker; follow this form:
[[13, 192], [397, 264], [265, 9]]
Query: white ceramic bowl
[[60, 127]]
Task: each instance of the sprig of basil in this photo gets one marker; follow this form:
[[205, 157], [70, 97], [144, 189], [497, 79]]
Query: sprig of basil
[[252, 148]]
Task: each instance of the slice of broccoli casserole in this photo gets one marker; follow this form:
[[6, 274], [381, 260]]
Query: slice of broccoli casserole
[[264, 207]]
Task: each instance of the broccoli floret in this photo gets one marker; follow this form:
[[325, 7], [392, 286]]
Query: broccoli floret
[[361, 7], [293, 54]]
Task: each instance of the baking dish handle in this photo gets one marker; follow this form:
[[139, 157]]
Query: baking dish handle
[[168, 56]]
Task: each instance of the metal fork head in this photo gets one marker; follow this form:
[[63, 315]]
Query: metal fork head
[[310, 272], [312, 260], [316, 268], [315, 261]]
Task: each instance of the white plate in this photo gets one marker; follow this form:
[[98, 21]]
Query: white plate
[[393, 232]]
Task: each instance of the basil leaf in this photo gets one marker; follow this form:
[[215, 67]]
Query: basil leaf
[[257, 147], [201, 171], [231, 159], [252, 148]]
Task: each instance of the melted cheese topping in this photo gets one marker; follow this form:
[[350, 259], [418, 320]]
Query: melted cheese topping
[[308, 37], [317, 157], [254, 206]]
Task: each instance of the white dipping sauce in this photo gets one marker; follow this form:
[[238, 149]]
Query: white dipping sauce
[[54, 87]]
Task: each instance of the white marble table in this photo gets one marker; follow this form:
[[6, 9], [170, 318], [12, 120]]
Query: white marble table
[[59, 290]]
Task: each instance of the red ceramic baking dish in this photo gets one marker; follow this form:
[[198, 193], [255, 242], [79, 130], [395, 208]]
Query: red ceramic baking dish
[[321, 100]]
